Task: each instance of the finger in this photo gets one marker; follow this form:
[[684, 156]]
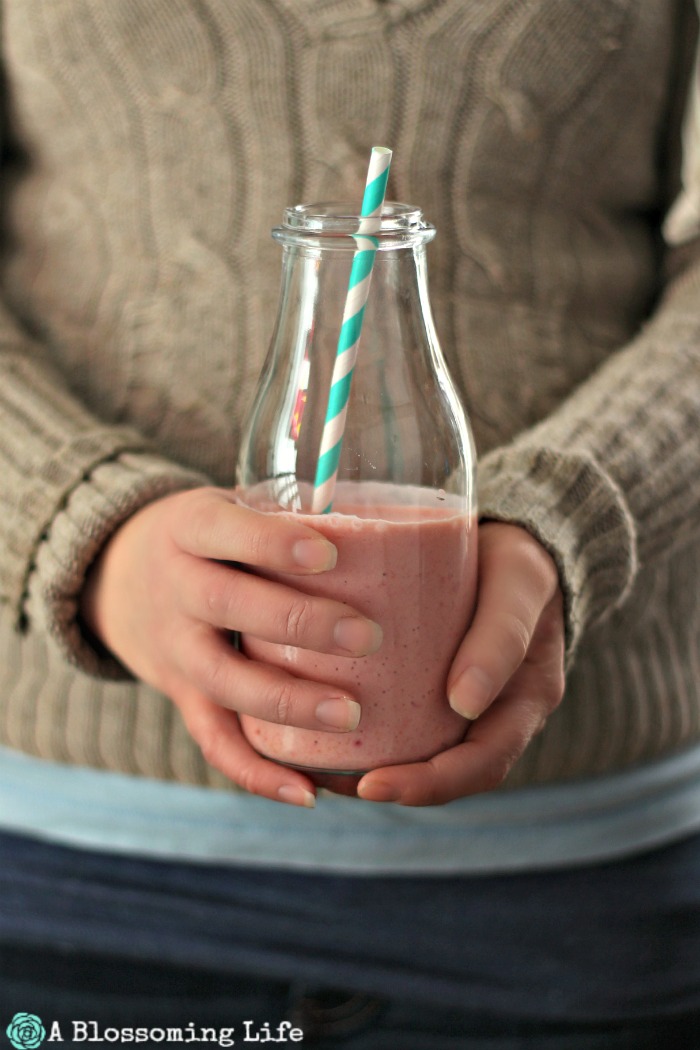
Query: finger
[[238, 601], [209, 661], [212, 525], [481, 763], [219, 736], [517, 580]]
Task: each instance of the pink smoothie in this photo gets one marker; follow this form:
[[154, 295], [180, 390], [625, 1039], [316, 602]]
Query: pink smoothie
[[413, 570]]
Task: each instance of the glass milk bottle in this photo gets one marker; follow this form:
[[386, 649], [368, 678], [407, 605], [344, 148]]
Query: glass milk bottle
[[401, 511]]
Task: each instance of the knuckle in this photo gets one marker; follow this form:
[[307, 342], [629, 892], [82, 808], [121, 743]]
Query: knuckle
[[284, 703], [221, 599], [298, 620], [245, 777], [197, 519], [258, 543], [517, 633], [215, 675]]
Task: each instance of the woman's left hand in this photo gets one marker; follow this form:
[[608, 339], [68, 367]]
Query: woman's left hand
[[507, 676]]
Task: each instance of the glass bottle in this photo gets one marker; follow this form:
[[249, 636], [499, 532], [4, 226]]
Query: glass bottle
[[402, 514]]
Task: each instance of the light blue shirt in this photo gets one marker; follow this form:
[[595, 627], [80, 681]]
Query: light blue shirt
[[539, 827]]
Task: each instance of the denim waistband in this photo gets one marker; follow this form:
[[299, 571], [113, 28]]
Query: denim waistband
[[619, 940]]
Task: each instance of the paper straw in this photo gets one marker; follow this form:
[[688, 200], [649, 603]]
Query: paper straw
[[349, 339]]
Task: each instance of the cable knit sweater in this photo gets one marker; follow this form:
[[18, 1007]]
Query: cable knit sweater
[[148, 149]]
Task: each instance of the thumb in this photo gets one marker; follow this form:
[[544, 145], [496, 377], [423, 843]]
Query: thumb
[[517, 579]]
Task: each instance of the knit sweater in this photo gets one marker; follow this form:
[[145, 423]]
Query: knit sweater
[[148, 150]]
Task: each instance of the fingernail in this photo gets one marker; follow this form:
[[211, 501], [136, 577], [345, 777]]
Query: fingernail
[[340, 713], [378, 791], [296, 796], [471, 693], [317, 555], [357, 636]]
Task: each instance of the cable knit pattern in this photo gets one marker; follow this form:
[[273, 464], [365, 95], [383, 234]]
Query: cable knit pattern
[[150, 146]]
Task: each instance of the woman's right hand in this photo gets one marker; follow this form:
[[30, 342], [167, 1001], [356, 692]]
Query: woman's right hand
[[169, 587]]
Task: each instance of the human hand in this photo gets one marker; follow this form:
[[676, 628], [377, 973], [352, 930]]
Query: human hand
[[169, 586], [508, 675]]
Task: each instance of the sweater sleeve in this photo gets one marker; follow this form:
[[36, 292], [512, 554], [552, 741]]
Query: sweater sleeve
[[68, 481], [611, 480]]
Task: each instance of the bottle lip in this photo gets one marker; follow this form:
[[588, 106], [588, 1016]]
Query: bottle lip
[[339, 221]]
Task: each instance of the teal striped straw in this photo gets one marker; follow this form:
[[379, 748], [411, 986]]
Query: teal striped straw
[[349, 339]]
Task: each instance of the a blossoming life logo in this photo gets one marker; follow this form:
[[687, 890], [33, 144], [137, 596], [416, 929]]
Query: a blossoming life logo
[[26, 1032]]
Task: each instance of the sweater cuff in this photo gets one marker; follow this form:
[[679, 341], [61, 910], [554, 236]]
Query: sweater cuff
[[578, 514], [92, 511]]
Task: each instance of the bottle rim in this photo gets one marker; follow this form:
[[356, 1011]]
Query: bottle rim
[[339, 221]]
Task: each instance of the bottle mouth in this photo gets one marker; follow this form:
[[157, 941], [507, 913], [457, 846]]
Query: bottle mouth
[[339, 221]]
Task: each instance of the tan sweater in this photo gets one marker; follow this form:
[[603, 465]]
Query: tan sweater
[[149, 148]]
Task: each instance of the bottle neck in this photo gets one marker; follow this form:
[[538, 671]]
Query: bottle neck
[[335, 226]]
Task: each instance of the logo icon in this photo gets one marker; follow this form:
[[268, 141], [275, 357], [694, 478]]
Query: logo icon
[[26, 1032]]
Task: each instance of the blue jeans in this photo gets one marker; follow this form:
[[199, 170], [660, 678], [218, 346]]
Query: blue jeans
[[602, 957]]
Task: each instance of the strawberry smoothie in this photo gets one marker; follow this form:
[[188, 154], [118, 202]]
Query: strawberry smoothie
[[413, 570]]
